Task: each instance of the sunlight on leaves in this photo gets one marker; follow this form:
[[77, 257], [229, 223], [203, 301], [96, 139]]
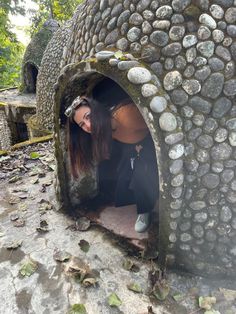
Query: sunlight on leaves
[[34, 155]]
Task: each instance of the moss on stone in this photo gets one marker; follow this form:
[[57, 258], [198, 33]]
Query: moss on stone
[[32, 141]]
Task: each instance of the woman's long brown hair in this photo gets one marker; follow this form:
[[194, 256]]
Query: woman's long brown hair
[[85, 150]]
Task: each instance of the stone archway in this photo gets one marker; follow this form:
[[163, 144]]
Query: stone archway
[[163, 122], [30, 77]]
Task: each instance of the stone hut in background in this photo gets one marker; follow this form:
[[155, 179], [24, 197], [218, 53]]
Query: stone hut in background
[[33, 55], [176, 60]]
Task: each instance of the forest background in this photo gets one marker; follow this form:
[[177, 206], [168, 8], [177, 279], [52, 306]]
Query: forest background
[[11, 49]]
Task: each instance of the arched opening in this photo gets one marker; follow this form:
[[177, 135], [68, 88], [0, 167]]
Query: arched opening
[[165, 129], [30, 77]]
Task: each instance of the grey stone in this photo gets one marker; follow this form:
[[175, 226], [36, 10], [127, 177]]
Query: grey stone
[[185, 226], [200, 104], [233, 51], [176, 166], [176, 192], [189, 149], [213, 86], [113, 62], [191, 54], [185, 237], [194, 134], [187, 112], [161, 24], [112, 23], [202, 155], [231, 30], [150, 54], [148, 15], [230, 163], [206, 48], [207, 20], [210, 125], [191, 87], [157, 68], [227, 175], [136, 19], [158, 104], [198, 119], [124, 29], [169, 64], [221, 151], [177, 19], [213, 197], [122, 44], [205, 141], [218, 35], [221, 107], [174, 138], [216, 64], [233, 185], [177, 180], [126, 65], [189, 40], [230, 87], [192, 165], [189, 71], [231, 197], [103, 55], [203, 32], [223, 53], [200, 217], [176, 204], [176, 151], [200, 194], [167, 122], [179, 97], [200, 61], [230, 15], [149, 90], [203, 169], [103, 4], [159, 38], [106, 13], [164, 12], [211, 236], [180, 5], [216, 11], [117, 10], [146, 28], [220, 135], [180, 62], [225, 214], [173, 225], [124, 16], [176, 32], [227, 41], [112, 37], [231, 124], [172, 49], [172, 237], [134, 34], [222, 25], [197, 205], [142, 5], [229, 70], [139, 75], [203, 73], [144, 40], [172, 80], [198, 231], [232, 138]]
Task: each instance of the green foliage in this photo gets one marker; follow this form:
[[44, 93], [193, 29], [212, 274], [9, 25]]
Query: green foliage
[[11, 51]]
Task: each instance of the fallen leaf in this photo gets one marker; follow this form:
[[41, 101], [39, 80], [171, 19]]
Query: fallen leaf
[[84, 245], [118, 54], [14, 179], [161, 290], [61, 256], [130, 265], [28, 268], [206, 302], [19, 222], [13, 245], [35, 180], [89, 281], [34, 155], [45, 205], [134, 287], [76, 268], [43, 226], [82, 224], [229, 295], [14, 217], [178, 297], [77, 309], [114, 300]]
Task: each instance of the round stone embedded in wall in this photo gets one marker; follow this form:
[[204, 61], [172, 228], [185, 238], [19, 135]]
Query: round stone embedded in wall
[[216, 11], [206, 48], [176, 151], [213, 85], [139, 75], [211, 180], [207, 20], [221, 135], [232, 138], [189, 40], [172, 80], [149, 90], [126, 65], [159, 38], [221, 107], [174, 138], [191, 87], [176, 166], [134, 34], [103, 55], [221, 151], [158, 104], [167, 122]]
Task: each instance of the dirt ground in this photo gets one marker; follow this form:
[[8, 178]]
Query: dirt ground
[[51, 263]]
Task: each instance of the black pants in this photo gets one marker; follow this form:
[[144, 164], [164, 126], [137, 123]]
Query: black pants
[[131, 177]]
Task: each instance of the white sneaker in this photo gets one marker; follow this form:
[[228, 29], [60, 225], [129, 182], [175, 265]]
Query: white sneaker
[[142, 222]]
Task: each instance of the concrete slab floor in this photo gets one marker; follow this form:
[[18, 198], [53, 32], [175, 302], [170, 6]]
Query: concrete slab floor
[[30, 222]]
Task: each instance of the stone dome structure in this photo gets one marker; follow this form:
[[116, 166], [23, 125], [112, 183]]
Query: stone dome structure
[[176, 60], [33, 55]]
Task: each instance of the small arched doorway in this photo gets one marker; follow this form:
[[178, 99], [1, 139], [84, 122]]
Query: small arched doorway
[[146, 93], [30, 77]]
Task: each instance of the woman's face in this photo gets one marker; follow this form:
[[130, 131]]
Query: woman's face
[[82, 118]]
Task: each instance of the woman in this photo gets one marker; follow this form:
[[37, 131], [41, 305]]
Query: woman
[[94, 135]]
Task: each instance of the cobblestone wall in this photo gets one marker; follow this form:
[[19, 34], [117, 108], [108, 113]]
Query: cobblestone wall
[[181, 62], [5, 138]]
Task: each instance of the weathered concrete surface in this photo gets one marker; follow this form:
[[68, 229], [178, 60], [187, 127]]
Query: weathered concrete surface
[[14, 97], [28, 198]]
